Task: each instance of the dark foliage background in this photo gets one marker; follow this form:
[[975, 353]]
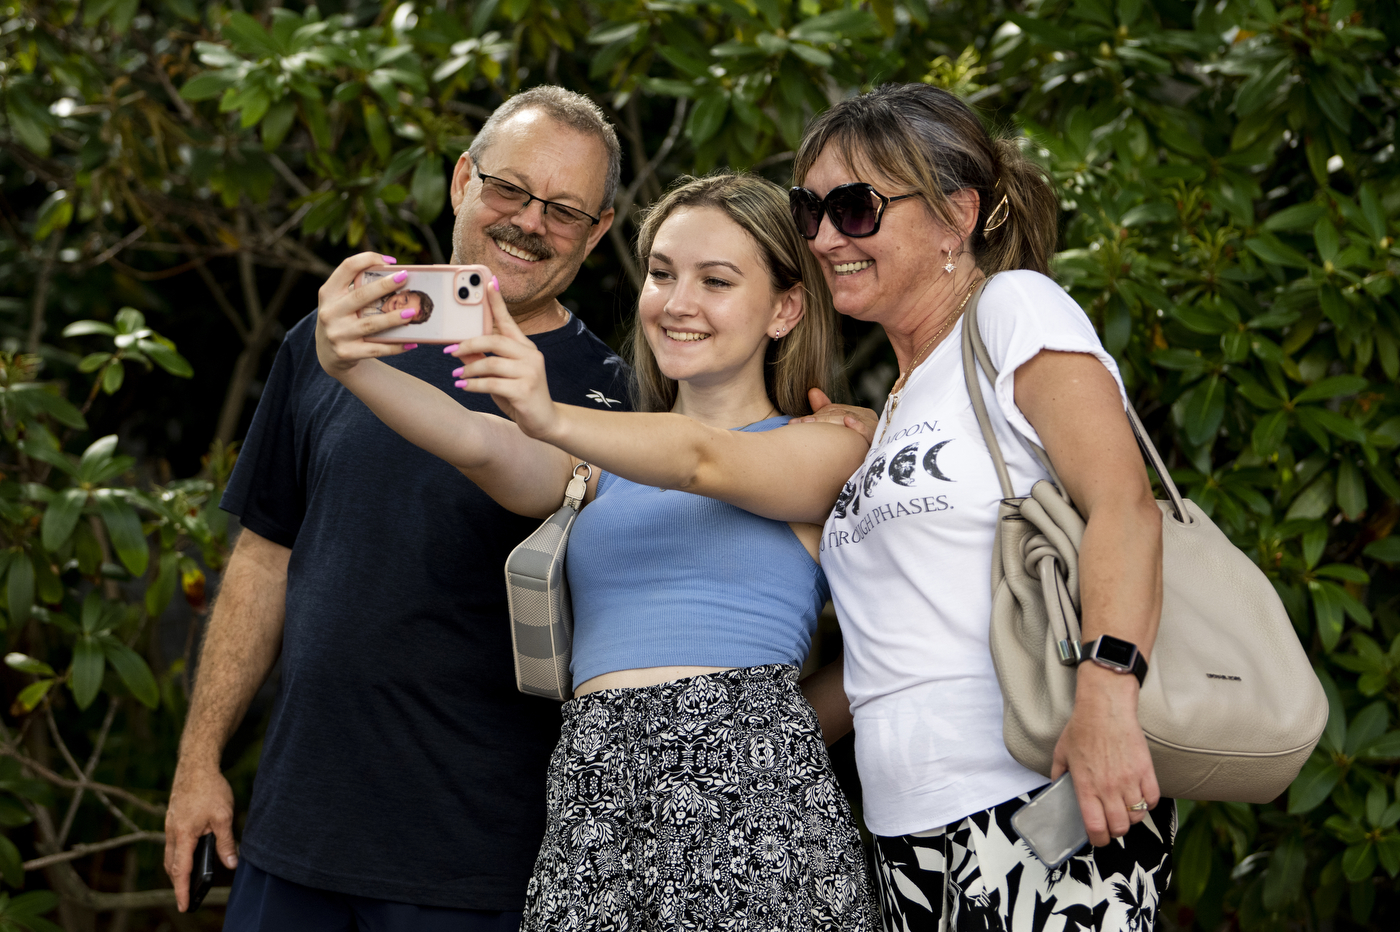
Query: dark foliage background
[[1229, 180]]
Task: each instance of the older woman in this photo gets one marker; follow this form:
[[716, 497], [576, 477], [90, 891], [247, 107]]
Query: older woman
[[908, 206]]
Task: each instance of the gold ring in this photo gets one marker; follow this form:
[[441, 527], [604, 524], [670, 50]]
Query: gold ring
[[1139, 806]]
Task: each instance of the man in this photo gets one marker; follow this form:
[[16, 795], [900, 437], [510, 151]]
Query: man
[[401, 784]]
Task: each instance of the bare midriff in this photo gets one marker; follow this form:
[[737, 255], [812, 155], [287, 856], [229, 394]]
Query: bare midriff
[[644, 676]]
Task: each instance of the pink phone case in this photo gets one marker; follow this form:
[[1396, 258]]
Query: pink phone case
[[450, 301]]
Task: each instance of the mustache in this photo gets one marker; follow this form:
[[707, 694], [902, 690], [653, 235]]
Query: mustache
[[512, 235]]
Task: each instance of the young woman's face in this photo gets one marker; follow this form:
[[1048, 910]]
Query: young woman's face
[[708, 308]]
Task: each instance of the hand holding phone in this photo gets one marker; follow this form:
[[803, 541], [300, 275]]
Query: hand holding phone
[[202, 874], [1051, 823], [439, 303]]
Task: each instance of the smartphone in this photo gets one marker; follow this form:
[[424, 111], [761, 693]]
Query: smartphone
[[1051, 823], [450, 301], [202, 876]]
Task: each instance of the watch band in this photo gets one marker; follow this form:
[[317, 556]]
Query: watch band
[[1116, 654]]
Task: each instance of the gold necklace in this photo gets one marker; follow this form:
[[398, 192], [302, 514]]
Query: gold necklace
[[892, 402]]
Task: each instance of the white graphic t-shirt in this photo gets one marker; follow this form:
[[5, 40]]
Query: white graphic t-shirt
[[908, 553]]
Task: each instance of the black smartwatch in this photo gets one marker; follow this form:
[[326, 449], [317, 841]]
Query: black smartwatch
[[1116, 654]]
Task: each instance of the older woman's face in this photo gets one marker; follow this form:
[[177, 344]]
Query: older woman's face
[[884, 277]]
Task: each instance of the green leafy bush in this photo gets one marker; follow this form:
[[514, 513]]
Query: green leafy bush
[[1229, 178]]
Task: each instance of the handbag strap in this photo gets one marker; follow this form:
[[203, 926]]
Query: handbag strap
[[974, 353]]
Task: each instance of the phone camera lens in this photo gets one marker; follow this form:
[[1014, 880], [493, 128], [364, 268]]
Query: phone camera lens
[[463, 293], [475, 280]]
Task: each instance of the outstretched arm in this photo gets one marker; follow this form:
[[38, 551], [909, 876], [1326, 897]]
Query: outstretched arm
[[523, 475], [793, 473]]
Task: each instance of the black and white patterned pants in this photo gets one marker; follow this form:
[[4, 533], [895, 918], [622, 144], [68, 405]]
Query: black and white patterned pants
[[996, 883], [707, 803]]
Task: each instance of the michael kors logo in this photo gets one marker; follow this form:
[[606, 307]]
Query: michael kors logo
[[1223, 676]]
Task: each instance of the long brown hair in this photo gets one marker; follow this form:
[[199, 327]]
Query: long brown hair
[[928, 140], [805, 357]]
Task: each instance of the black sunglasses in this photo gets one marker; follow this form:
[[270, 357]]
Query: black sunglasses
[[855, 209]]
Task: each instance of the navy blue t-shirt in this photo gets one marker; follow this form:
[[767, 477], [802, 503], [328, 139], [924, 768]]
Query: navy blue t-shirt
[[400, 762]]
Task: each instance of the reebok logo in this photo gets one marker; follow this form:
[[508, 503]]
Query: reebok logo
[[601, 399]]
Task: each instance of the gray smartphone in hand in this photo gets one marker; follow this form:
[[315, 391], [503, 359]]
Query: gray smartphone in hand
[[1051, 823]]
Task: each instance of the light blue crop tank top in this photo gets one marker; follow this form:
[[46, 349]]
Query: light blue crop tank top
[[666, 578]]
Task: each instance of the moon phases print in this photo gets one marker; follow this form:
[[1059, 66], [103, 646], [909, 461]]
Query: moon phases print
[[845, 497], [874, 474], [902, 466], [931, 461]]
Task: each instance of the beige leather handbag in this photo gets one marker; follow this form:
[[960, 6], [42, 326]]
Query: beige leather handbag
[[1231, 707]]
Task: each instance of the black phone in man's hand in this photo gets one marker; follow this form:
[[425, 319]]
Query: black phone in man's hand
[[202, 876]]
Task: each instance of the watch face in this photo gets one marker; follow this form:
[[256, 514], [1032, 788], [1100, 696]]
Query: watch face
[[1115, 651]]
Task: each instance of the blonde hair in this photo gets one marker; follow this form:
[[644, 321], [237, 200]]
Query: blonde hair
[[928, 140], [806, 357]]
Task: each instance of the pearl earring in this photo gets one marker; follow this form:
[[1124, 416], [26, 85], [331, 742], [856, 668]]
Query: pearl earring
[[949, 267]]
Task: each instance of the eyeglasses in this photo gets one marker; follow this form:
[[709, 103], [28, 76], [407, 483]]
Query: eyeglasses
[[855, 209], [501, 195]]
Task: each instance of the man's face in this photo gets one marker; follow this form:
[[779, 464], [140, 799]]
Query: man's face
[[401, 301], [533, 259]]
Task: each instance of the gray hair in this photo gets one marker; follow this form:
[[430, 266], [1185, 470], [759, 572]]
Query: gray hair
[[573, 110]]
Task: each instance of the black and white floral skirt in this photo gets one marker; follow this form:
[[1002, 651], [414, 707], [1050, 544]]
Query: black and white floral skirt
[[977, 875], [707, 803]]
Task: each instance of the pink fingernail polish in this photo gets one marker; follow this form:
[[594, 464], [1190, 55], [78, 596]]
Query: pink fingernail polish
[[390, 260], [409, 346], [408, 314], [458, 371], [495, 284], [461, 383], [401, 276], [449, 350]]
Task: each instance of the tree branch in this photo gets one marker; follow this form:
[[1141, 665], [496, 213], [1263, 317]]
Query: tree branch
[[45, 773], [222, 300], [78, 851], [41, 292]]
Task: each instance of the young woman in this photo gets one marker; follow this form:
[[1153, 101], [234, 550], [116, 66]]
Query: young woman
[[691, 786]]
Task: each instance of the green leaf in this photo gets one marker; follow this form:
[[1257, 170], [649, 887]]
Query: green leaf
[[1273, 251], [1334, 387], [1345, 572], [124, 529], [1314, 501], [27, 664], [429, 188], [1351, 491], [1386, 550], [1326, 238], [88, 664], [1327, 606], [165, 356], [55, 213], [54, 405], [82, 328], [1269, 432], [707, 116], [209, 84], [162, 588], [1316, 781], [1359, 861], [133, 671], [11, 864], [1194, 861], [20, 580], [1283, 880], [112, 378], [30, 696], [62, 516], [1205, 410], [278, 123]]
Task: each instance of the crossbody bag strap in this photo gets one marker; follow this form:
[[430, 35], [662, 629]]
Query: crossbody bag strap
[[975, 353]]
